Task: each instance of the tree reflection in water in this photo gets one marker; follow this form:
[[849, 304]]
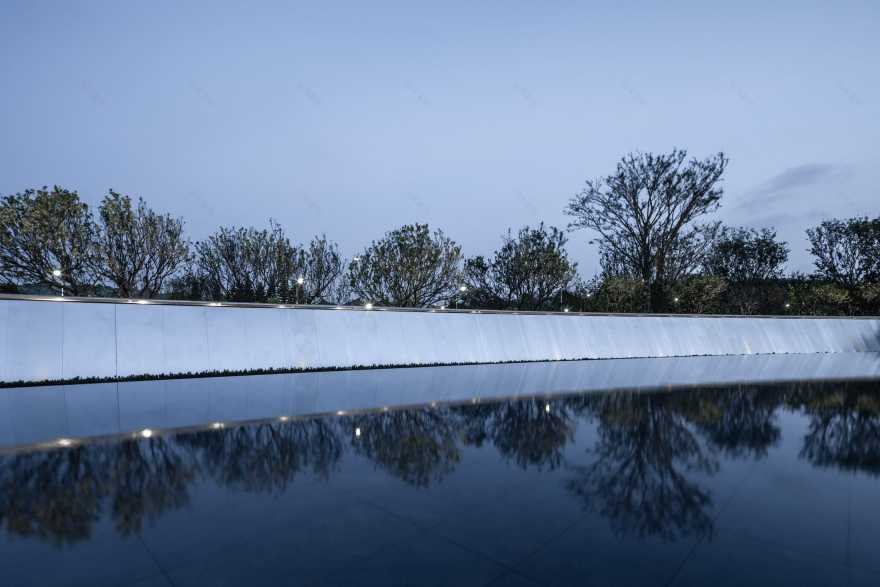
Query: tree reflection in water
[[640, 479], [418, 446], [146, 478], [58, 495], [531, 432], [646, 473], [52, 495], [265, 457], [844, 430], [740, 422]]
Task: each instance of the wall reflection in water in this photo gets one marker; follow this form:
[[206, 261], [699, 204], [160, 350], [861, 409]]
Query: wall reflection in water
[[643, 467]]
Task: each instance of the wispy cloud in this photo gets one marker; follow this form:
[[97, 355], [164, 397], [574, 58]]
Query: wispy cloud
[[795, 177], [784, 185]]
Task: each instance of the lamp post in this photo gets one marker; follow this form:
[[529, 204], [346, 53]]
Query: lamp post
[[461, 289], [299, 283], [56, 273]]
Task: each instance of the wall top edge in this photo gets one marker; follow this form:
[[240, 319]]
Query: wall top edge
[[315, 307]]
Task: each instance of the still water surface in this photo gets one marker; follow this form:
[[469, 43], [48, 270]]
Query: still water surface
[[775, 484]]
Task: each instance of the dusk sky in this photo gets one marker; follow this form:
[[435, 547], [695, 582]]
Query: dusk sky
[[354, 118]]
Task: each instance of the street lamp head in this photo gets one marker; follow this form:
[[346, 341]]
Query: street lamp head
[[56, 272], [675, 300], [300, 280], [463, 288], [368, 306]]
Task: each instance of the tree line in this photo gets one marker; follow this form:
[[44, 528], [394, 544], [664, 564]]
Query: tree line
[[650, 219]]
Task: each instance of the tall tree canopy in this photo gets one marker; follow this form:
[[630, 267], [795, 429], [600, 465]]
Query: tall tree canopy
[[44, 232], [410, 267], [645, 213], [528, 272], [138, 249]]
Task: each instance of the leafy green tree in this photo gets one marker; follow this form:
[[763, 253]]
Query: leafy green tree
[[320, 267], [138, 249], [47, 238], [699, 294], [529, 272], [409, 267], [645, 216], [847, 254], [617, 294], [247, 265], [740, 254], [751, 262], [808, 296]]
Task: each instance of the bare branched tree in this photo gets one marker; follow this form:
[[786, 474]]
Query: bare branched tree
[[529, 272], [410, 267], [47, 239], [138, 249], [645, 213]]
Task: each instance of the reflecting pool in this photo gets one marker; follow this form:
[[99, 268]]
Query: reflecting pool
[[733, 484]]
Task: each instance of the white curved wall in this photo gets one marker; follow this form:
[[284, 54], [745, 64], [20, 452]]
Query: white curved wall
[[51, 340]]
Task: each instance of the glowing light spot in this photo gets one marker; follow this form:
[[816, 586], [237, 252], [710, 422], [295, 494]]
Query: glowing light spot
[[64, 442], [217, 425], [357, 431], [146, 433], [547, 408]]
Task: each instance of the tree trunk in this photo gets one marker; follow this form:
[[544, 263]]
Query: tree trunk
[[657, 297]]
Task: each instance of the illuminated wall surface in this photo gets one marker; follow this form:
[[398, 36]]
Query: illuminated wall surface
[[49, 340]]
